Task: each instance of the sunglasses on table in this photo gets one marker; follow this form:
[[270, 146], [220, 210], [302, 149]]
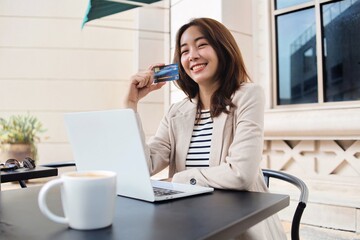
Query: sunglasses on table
[[13, 164]]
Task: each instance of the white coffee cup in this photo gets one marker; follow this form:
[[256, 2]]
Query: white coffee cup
[[88, 199]]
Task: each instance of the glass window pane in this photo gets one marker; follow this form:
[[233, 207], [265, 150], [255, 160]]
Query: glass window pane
[[288, 3], [341, 50], [296, 57]]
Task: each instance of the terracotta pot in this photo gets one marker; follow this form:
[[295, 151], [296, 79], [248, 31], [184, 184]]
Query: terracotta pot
[[17, 151]]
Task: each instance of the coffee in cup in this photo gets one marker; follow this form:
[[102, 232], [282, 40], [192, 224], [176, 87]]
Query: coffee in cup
[[88, 199]]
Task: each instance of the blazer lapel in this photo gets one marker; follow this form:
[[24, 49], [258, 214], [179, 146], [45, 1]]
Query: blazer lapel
[[183, 125], [217, 140]]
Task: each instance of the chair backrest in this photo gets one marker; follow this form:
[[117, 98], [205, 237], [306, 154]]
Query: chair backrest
[[304, 194]]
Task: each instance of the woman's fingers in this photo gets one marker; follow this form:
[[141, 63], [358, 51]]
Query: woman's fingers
[[157, 86], [146, 78], [142, 79], [155, 65]]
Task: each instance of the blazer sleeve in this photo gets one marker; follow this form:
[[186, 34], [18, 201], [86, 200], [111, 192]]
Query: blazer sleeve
[[239, 169], [158, 148]]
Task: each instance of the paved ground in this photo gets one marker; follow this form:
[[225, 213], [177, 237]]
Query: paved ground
[[316, 233], [306, 232], [312, 233]]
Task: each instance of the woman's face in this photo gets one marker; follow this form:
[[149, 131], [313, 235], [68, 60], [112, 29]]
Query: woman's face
[[198, 57]]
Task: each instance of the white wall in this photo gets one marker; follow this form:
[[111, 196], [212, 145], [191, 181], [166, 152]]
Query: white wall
[[152, 47], [49, 66]]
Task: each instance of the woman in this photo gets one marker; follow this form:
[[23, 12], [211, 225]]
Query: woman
[[214, 137]]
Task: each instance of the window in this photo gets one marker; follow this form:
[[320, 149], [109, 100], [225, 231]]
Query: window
[[317, 51], [286, 3]]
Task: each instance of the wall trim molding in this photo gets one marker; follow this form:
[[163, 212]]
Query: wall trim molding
[[313, 124]]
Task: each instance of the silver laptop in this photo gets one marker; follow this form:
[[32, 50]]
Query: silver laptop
[[111, 140]]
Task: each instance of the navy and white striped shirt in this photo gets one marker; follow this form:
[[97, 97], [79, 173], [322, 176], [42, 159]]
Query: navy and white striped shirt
[[199, 150]]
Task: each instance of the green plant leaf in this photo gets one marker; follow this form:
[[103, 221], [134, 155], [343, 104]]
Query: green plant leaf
[[20, 129]]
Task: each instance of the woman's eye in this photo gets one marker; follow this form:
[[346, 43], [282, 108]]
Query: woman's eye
[[184, 51], [202, 45]]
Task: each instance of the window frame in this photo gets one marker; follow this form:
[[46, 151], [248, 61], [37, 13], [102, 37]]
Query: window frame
[[316, 4]]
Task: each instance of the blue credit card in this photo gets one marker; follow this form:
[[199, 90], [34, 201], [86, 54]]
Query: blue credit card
[[166, 73]]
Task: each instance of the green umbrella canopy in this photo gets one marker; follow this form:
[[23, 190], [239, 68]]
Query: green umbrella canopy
[[102, 8]]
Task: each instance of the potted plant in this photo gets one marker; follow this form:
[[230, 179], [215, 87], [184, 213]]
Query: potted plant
[[18, 137]]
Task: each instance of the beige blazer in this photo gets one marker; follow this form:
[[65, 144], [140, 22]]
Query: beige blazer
[[235, 155]]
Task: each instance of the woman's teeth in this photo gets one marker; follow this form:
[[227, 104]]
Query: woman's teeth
[[198, 67]]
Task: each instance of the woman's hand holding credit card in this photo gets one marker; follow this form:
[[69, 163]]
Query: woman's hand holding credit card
[[144, 82]]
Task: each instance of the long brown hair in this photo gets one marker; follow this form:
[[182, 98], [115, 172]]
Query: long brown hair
[[231, 69]]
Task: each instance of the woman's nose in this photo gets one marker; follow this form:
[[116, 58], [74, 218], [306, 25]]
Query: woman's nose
[[193, 55]]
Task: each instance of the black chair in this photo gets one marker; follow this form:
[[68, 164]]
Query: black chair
[[302, 199]]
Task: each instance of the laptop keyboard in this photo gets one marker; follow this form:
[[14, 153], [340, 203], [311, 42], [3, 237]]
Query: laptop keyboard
[[164, 192]]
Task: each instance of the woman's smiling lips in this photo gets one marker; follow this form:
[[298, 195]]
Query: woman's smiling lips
[[198, 67]]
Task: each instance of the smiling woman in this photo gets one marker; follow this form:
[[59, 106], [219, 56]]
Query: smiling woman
[[214, 137], [215, 42], [199, 59]]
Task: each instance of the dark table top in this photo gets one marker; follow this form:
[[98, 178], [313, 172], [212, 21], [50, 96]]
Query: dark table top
[[25, 174], [218, 215]]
